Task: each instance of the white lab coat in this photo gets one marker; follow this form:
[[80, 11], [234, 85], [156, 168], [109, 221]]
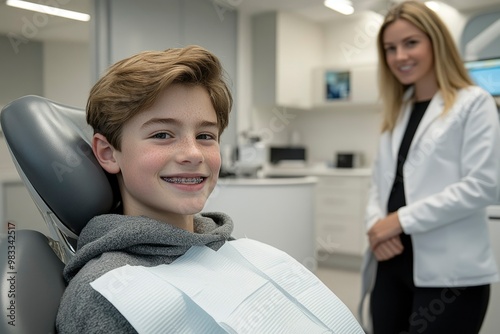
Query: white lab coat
[[451, 174]]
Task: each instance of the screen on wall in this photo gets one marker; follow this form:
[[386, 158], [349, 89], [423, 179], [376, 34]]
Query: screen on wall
[[486, 74], [337, 85]]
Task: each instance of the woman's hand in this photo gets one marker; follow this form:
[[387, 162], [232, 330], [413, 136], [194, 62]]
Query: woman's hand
[[388, 249], [384, 230]]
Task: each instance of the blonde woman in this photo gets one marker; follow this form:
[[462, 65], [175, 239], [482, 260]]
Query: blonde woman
[[436, 171]]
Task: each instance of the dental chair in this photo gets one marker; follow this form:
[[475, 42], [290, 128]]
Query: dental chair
[[49, 144]]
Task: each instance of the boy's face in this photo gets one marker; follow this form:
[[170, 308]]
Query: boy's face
[[170, 158]]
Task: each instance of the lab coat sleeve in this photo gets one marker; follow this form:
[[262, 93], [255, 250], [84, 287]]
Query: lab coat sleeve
[[480, 167], [374, 211]]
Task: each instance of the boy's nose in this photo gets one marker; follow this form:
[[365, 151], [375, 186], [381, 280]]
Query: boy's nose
[[189, 151]]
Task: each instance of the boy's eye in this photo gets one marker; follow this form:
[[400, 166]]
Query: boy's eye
[[161, 135], [206, 136]]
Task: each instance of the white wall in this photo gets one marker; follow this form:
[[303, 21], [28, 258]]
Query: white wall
[[66, 67], [326, 132], [351, 40], [323, 131]]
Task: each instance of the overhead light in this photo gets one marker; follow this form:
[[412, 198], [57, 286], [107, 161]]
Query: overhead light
[[434, 5], [342, 6], [69, 14]]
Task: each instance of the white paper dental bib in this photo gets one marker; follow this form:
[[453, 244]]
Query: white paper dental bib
[[244, 287]]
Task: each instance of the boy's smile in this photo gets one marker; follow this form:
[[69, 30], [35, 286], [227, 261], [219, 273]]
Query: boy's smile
[[170, 159]]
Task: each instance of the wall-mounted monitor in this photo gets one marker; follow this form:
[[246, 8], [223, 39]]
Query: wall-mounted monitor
[[337, 85], [486, 74]]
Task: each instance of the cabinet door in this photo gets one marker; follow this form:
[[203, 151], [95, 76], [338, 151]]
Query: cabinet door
[[340, 207], [339, 201], [339, 234], [285, 49], [299, 51]]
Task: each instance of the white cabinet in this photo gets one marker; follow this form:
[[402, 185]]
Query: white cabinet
[[278, 212], [285, 50], [341, 196], [340, 208]]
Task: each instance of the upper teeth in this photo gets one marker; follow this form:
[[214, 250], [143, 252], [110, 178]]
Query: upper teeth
[[190, 180], [405, 68]]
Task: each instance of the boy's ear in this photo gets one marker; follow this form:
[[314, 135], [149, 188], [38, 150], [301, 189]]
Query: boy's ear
[[104, 152]]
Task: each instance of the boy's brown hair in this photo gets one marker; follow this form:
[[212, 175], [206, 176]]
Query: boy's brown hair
[[133, 85]]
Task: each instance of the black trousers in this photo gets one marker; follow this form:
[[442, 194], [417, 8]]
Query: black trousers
[[398, 307]]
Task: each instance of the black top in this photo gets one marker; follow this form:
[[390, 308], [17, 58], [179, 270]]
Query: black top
[[397, 197]]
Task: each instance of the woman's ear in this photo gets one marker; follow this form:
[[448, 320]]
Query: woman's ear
[[104, 152]]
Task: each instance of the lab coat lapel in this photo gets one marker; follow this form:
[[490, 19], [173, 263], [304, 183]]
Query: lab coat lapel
[[433, 111], [399, 129]]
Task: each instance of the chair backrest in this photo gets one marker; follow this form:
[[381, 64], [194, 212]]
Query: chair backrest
[[50, 146]]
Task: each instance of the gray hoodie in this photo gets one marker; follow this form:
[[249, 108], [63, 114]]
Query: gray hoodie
[[111, 241]]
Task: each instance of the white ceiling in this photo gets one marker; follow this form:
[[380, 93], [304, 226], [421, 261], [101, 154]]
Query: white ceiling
[[42, 27], [20, 23], [316, 11]]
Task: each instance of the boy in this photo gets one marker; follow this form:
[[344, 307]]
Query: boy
[[157, 119]]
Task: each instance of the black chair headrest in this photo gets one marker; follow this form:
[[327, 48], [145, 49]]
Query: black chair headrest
[[50, 145]]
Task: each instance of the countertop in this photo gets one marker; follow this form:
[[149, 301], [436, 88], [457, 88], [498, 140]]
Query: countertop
[[315, 170], [266, 181]]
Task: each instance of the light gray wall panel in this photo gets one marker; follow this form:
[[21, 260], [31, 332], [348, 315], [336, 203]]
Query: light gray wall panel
[[21, 69], [264, 30], [143, 25]]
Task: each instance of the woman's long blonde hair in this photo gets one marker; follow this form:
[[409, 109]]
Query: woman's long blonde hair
[[450, 72]]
